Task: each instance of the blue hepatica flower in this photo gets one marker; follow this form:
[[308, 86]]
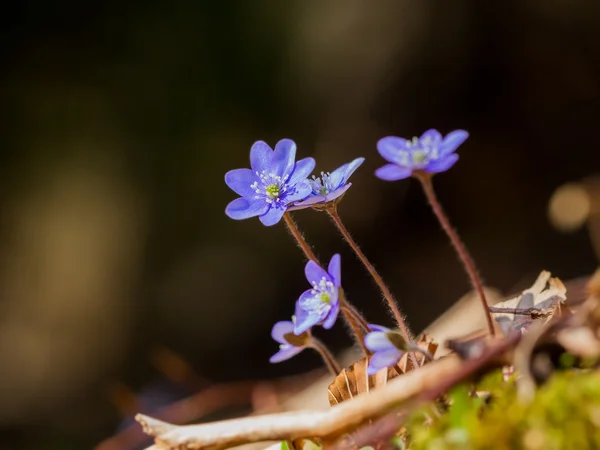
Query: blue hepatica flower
[[429, 153], [275, 181], [387, 346], [321, 304], [329, 186], [289, 343]]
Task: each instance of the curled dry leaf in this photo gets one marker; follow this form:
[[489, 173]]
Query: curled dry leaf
[[544, 298], [354, 380]]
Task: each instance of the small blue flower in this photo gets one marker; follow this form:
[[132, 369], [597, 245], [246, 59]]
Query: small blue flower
[[319, 305], [430, 153], [289, 343], [387, 346], [275, 182], [329, 186]]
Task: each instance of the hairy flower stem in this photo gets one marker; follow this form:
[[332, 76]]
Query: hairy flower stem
[[406, 334], [353, 317], [295, 232], [425, 179], [328, 358], [357, 330], [355, 321], [358, 318]]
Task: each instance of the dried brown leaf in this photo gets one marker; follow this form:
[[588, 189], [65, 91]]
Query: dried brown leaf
[[354, 380]]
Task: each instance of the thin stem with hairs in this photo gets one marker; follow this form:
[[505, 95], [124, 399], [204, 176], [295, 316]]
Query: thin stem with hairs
[[406, 334], [295, 232], [326, 355], [354, 319], [469, 265]]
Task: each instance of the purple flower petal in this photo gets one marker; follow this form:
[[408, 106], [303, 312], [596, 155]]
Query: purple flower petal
[[282, 160], [377, 341], [260, 156], [305, 300], [337, 193], [352, 166], [280, 329], [374, 327], [272, 216], [384, 359], [392, 172], [442, 164], [314, 272], [336, 178], [302, 191], [240, 180], [389, 146], [452, 141], [304, 321], [431, 137], [302, 170], [332, 315], [335, 269], [285, 352], [313, 199], [240, 209]]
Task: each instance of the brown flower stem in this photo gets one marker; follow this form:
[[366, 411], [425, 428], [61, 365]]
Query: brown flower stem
[[328, 358], [425, 179], [354, 324], [352, 316], [378, 280], [295, 232], [356, 315]]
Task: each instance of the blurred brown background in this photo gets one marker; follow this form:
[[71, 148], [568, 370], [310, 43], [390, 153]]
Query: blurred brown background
[[119, 120]]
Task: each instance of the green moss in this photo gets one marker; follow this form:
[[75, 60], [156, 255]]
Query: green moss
[[564, 415]]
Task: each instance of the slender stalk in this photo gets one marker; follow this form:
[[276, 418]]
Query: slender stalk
[[406, 334], [295, 232], [360, 320], [354, 319], [357, 330], [328, 358], [468, 263]]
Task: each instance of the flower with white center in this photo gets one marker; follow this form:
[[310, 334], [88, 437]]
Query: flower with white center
[[275, 182], [329, 187], [430, 153], [289, 344], [319, 305]]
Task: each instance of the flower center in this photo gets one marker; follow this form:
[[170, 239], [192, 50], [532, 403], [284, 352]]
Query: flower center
[[271, 188], [419, 156], [322, 185], [322, 294], [325, 297]]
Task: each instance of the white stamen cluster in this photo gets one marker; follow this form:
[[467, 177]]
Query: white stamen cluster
[[322, 291], [418, 153], [272, 188], [322, 185]]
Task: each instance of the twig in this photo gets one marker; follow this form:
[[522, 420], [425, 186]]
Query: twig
[[211, 399], [382, 428], [534, 313], [323, 424]]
